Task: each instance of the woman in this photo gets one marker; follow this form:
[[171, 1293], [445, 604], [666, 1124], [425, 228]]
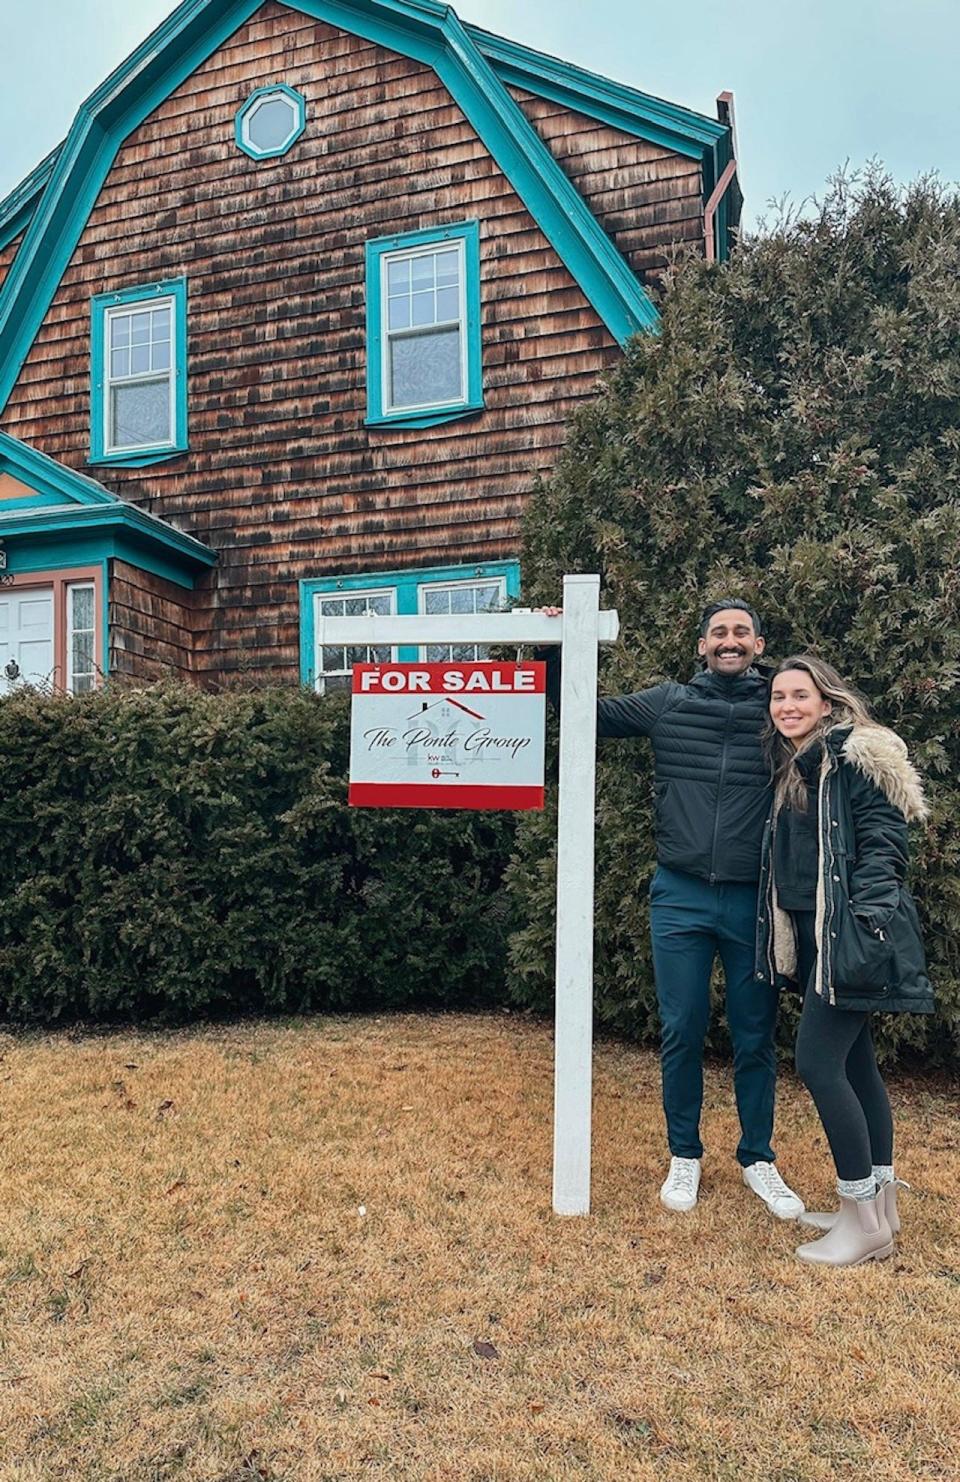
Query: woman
[[836, 918]]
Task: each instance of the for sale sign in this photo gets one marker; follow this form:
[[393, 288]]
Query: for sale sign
[[447, 735]]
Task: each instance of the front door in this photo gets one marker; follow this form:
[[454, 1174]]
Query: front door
[[26, 638]]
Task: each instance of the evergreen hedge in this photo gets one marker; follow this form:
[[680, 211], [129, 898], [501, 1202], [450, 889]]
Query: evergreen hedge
[[792, 435], [169, 852]]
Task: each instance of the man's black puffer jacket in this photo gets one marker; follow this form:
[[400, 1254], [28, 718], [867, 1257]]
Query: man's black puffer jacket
[[712, 783]]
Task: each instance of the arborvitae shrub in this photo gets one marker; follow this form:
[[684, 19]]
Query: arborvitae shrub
[[792, 435], [173, 852]]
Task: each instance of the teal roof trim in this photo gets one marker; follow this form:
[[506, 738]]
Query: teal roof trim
[[76, 519], [17, 208], [47, 476], [613, 103], [83, 506], [428, 32]]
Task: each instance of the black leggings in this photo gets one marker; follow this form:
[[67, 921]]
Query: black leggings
[[836, 1061]]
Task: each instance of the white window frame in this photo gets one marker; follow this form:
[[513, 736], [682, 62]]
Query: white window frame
[[448, 586], [350, 595], [72, 589], [387, 336], [116, 311]]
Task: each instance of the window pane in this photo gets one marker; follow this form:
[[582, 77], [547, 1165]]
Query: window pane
[[398, 274], [422, 271], [380, 605], [424, 309], [333, 659], [331, 606], [161, 356], [82, 607], [425, 369], [82, 683], [82, 653], [120, 330], [436, 601], [489, 596], [161, 324], [140, 415], [356, 607], [448, 304], [448, 267], [140, 329], [463, 599], [119, 363], [271, 123], [140, 360], [398, 313]]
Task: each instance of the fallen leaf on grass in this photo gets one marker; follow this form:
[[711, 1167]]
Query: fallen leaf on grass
[[76, 1275], [483, 1349], [179, 1183], [165, 1106], [378, 1374], [536, 1406], [654, 1278]]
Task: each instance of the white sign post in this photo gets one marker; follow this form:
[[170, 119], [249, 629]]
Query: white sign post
[[579, 631]]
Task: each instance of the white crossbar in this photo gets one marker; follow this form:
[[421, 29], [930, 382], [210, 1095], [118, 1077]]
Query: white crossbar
[[530, 628]]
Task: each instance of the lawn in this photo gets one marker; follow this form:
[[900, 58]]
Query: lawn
[[323, 1249]]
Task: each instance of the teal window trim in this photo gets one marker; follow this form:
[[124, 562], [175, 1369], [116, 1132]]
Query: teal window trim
[[246, 144], [406, 586], [379, 248], [147, 294]]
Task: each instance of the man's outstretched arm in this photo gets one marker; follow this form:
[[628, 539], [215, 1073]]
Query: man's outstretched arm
[[617, 715]]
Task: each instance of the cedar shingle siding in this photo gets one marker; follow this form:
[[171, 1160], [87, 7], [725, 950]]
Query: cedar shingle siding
[[282, 478]]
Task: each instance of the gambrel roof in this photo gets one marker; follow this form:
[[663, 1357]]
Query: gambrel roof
[[55, 201]]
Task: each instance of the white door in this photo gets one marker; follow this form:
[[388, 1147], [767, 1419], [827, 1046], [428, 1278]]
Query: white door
[[26, 638]]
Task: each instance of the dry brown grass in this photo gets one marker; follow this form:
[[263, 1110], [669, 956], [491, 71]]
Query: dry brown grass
[[190, 1290]]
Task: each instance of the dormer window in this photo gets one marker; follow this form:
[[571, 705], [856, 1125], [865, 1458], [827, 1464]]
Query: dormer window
[[270, 121]]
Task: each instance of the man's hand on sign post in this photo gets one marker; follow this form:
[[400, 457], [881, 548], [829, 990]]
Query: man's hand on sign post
[[550, 611]]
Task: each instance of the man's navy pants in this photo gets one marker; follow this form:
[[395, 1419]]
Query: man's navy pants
[[691, 921]]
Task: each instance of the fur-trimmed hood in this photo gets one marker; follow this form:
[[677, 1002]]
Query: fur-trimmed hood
[[881, 755]]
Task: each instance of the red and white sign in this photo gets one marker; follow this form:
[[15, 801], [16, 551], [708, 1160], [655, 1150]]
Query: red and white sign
[[447, 735]]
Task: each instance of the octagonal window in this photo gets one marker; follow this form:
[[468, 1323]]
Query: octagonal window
[[270, 121]]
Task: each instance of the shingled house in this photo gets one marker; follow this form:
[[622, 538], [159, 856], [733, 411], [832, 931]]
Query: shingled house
[[295, 316]]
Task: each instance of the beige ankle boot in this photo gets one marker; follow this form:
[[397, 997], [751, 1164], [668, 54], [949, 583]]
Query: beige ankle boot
[[825, 1221], [860, 1232]]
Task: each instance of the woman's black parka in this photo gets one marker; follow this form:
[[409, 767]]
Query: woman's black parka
[[869, 948]]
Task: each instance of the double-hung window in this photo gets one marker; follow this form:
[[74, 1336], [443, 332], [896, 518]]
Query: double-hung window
[[139, 399], [441, 591], [423, 326]]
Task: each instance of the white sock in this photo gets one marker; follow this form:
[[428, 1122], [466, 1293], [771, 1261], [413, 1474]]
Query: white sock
[[883, 1173], [857, 1188]]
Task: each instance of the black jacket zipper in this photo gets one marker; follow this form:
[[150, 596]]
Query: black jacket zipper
[[716, 817]]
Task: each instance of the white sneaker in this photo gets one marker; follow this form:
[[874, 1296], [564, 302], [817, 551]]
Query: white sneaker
[[765, 1181], [679, 1190]]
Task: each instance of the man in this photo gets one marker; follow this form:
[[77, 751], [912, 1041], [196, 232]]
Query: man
[[712, 797]]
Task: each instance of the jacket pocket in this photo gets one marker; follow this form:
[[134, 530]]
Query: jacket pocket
[[863, 957]]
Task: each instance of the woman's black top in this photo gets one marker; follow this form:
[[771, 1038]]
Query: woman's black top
[[795, 854]]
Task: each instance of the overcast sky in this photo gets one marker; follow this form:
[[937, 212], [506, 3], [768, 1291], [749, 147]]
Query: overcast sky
[[816, 83]]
